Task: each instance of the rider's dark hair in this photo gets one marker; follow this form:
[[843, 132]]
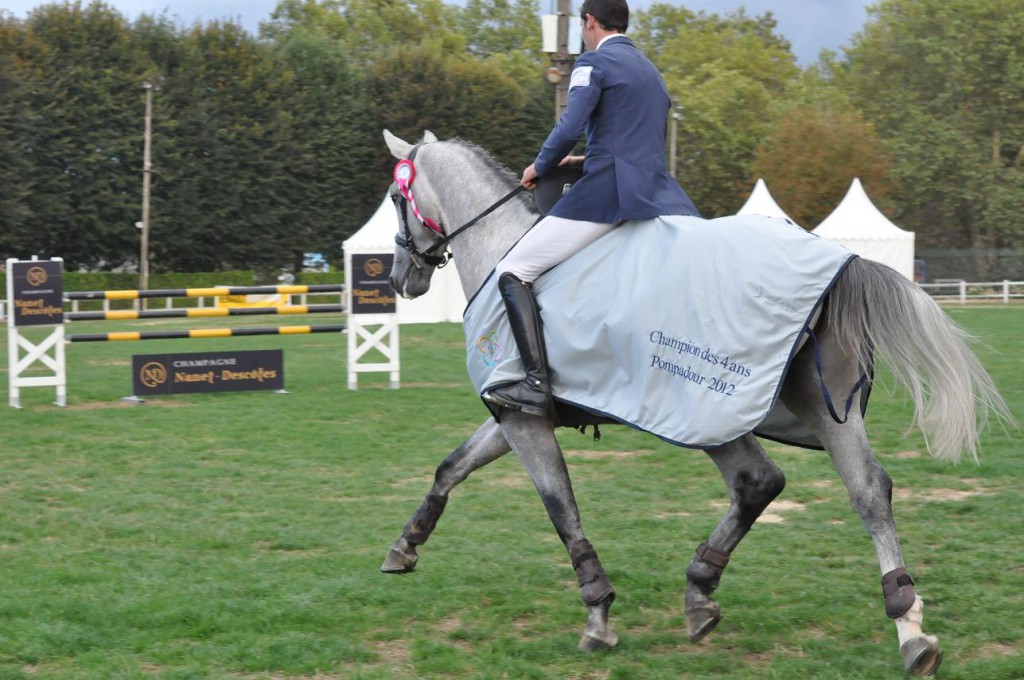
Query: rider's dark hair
[[613, 15]]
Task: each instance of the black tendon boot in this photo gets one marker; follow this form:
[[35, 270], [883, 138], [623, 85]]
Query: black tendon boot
[[533, 394]]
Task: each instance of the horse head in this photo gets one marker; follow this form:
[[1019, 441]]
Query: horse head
[[418, 234], [452, 195]]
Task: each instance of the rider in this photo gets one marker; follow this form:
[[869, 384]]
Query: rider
[[620, 99]]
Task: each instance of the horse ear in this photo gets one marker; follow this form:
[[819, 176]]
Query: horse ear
[[429, 136], [399, 148]]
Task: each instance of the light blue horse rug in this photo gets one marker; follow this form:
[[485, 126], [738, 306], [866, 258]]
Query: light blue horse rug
[[678, 326]]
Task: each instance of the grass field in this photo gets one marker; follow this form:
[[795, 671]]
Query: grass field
[[240, 535]]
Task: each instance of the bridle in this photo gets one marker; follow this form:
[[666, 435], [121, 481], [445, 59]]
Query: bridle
[[401, 195]]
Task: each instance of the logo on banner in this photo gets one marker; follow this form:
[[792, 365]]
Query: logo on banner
[[36, 276], [153, 374], [373, 268]]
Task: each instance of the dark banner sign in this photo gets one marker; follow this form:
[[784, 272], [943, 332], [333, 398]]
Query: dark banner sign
[[38, 293], [207, 372], [371, 292]]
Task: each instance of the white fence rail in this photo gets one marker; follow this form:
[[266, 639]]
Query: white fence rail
[[962, 292]]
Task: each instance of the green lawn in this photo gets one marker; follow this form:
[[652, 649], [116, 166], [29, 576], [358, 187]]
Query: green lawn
[[240, 535]]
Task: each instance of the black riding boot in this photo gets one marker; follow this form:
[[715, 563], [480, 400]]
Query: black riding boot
[[532, 395]]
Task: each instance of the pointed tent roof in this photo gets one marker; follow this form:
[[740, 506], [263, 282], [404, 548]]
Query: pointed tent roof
[[761, 202], [857, 224], [856, 217], [378, 232]]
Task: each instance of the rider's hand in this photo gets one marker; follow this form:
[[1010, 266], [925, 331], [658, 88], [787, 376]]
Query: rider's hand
[[572, 160], [529, 179]]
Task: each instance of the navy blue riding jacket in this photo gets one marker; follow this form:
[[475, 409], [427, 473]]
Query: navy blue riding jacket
[[619, 97]]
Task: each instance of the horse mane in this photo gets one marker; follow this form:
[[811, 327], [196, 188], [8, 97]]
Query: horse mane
[[508, 180]]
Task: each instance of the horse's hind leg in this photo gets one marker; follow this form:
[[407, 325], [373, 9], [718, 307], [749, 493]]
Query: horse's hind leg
[[534, 442], [754, 481], [870, 490], [485, 446]]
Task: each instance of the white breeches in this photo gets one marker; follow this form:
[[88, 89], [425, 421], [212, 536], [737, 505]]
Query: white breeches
[[550, 242]]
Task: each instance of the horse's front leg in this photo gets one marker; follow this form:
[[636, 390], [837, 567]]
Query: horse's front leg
[[533, 440], [485, 446], [753, 481]]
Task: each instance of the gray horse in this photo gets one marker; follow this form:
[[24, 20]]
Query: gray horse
[[871, 308]]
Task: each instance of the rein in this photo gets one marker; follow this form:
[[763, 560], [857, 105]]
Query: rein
[[402, 198]]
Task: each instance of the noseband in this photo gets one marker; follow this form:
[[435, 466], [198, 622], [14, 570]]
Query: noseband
[[401, 196]]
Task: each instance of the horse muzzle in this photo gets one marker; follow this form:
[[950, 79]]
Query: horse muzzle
[[410, 284]]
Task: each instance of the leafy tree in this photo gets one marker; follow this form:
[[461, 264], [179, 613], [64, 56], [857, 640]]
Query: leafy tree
[[84, 135], [230, 196], [814, 153], [413, 89], [506, 34], [369, 27], [344, 140], [724, 73], [943, 81], [15, 161]]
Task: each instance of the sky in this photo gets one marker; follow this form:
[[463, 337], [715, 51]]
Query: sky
[[809, 25]]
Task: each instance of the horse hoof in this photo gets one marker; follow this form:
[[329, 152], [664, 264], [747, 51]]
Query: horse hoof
[[921, 655], [400, 561], [701, 621], [592, 642]]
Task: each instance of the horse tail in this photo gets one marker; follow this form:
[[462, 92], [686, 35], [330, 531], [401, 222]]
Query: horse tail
[[873, 307]]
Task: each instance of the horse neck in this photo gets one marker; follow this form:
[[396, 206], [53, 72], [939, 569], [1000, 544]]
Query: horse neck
[[465, 185]]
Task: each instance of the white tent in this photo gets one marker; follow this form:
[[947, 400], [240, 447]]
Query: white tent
[[761, 202], [444, 301], [857, 224]]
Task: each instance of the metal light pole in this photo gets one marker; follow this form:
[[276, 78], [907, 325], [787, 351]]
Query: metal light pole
[[563, 61], [559, 44], [147, 171], [677, 116]]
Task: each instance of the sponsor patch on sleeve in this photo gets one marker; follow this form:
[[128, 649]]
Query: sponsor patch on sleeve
[[580, 77]]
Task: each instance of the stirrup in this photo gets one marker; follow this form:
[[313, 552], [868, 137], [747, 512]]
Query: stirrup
[[530, 407]]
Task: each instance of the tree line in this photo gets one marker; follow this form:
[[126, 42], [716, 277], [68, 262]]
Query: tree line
[[269, 146]]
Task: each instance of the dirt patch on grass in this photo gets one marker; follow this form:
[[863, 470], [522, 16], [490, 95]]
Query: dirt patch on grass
[[419, 480], [759, 661], [392, 651], [450, 627], [990, 649], [813, 632], [908, 454], [667, 514], [773, 514], [940, 495], [449, 624], [509, 481], [602, 674]]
